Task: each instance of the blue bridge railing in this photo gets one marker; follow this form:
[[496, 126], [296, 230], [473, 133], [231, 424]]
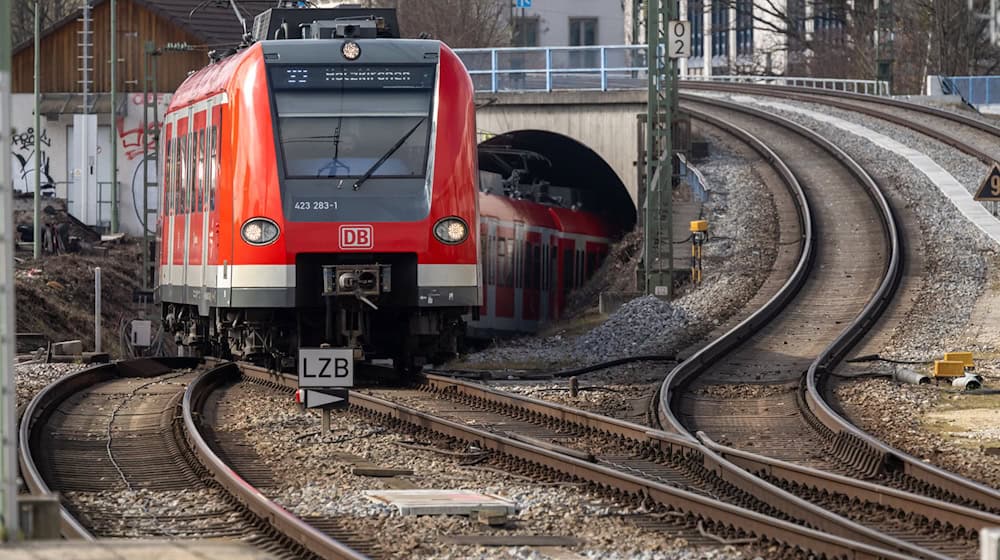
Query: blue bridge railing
[[974, 90], [602, 68]]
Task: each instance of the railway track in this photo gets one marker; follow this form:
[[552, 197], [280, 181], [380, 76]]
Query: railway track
[[778, 411], [700, 508], [681, 466], [122, 436], [901, 469], [964, 133]]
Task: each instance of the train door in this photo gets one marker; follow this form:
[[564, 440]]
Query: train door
[[543, 272], [196, 209], [165, 233], [178, 268], [209, 250], [190, 170], [518, 285], [492, 225]]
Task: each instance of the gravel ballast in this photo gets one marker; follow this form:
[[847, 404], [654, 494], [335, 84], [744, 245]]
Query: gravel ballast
[[313, 478], [737, 259]]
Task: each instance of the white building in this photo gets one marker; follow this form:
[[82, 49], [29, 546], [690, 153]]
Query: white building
[[561, 23], [738, 37]]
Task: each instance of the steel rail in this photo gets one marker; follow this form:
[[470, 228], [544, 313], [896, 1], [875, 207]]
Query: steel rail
[[752, 522], [890, 458], [45, 402], [714, 351], [276, 516], [722, 459], [829, 98], [781, 91]]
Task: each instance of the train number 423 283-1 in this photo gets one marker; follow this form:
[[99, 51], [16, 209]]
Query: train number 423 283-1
[[316, 205]]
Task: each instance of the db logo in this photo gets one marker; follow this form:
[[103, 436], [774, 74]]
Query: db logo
[[356, 237]]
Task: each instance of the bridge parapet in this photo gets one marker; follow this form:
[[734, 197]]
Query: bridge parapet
[[604, 68]]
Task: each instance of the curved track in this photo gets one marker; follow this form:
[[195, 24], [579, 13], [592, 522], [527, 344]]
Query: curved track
[[755, 397], [878, 460], [122, 435]]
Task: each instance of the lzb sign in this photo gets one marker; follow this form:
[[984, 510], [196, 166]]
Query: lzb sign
[[326, 367]]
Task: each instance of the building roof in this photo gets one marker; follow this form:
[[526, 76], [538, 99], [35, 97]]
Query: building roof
[[214, 22]]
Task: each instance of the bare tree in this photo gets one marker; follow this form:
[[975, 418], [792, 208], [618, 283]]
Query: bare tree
[[837, 39], [51, 11], [459, 23]]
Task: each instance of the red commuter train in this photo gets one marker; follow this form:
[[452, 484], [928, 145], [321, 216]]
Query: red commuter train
[[324, 191]]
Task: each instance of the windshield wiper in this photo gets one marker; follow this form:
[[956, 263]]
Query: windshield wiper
[[371, 170]]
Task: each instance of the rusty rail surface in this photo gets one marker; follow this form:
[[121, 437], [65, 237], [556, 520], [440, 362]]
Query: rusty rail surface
[[278, 517], [885, 457], [46, 401], [861, 542]]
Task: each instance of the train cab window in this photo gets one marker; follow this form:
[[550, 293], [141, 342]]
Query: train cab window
[[579, 268], [592, 262]]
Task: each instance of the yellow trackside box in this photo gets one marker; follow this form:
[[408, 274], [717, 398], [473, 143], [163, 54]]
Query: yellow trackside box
[[699, 225], [949, 368], [964, 357]]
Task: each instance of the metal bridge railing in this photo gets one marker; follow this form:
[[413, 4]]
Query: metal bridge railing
[[602, 68], [974, 90]]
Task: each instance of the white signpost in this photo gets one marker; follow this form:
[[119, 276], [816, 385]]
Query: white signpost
[[679, 39], [324, 376]]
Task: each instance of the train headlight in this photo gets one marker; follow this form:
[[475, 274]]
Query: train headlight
[[259, 231], [350, 50], [451, 231]]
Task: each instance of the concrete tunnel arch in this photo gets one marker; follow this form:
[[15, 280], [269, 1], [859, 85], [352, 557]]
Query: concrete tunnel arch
[[574, 165]]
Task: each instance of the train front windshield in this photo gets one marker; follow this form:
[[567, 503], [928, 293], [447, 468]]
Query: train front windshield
[[348, 132]]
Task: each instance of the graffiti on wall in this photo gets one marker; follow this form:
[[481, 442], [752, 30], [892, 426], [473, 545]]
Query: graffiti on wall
[[130, 128], [23, 151]]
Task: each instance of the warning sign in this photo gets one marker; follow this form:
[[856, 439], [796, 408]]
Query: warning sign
[[989, 189]]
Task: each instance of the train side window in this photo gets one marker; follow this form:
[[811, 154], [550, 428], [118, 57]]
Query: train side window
[[492, 260], [213, 165], [191, 171], [543, 265], [199, 174], [529, 269], [568, 269], [510, 263], [179, 171], [536, 267], [553, 267], [165, 183]]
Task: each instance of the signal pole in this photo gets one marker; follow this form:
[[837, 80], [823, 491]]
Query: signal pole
[[114, 117], [658, 247], [8, 465]]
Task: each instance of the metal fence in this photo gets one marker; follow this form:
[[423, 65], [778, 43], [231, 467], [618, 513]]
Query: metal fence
[[602, 68], [975, 90]]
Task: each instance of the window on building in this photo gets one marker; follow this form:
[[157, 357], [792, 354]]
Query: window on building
[[828, 20], [695, 10], [583, 33], [744, 27], [796, 25], [720, 28], [526, 31]]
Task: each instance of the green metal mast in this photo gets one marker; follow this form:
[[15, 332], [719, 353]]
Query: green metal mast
[[37, 242], [658, 256], [8, 464], [114, 117]]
